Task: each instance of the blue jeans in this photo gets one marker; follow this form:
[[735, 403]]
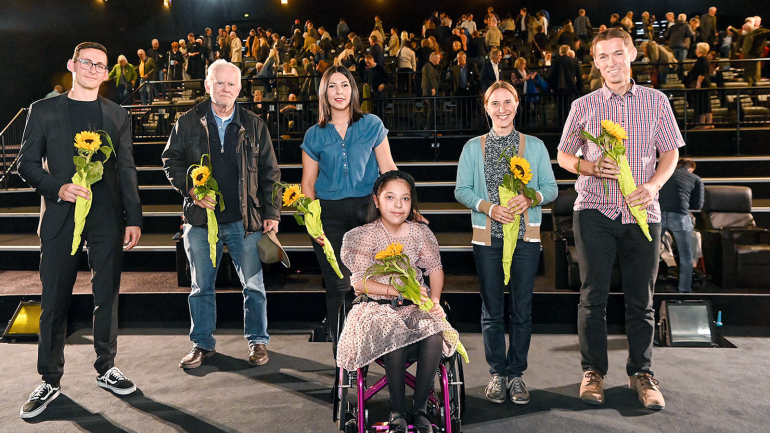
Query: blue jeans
[[680, 53], [521, 285], [146, 91], [680, 226], [202, 299]]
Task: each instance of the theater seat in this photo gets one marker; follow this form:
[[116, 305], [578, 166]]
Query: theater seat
[[735, 250], [561, 262]]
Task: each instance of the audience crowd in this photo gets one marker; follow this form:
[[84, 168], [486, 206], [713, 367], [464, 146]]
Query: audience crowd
[[447, 57]]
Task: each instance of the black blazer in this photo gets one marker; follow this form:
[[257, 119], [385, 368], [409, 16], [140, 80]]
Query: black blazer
[[46, 162], [564, 75], [474, 78], [488, 75]]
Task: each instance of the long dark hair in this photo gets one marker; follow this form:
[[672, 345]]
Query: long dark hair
[[325, 109], [386, 178]]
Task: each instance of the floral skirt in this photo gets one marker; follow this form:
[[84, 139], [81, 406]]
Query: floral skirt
[[372, 330]]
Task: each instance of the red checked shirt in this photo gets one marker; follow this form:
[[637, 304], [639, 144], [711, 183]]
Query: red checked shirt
[[650, 126]]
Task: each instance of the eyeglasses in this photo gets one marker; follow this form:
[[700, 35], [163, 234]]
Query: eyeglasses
[[87, 64]]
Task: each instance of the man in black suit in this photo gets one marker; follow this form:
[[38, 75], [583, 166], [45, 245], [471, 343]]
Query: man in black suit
[[492, 69], [375, 49], [465, 84], [115, 218], [565, 80]]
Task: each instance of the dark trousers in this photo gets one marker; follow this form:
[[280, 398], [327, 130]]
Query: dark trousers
[[58, 271], [521, 285], [338, 217], [598, 239]]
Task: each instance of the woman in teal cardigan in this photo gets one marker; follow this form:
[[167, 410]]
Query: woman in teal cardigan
[[478, 175], [125, 76]]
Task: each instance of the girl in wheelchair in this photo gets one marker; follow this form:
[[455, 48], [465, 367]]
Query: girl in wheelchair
[[382, 324]]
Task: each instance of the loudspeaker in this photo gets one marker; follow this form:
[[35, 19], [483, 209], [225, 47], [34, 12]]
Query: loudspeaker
[[686, 323]]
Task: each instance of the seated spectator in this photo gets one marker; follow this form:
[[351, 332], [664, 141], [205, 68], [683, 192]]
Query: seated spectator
[[509, 57], [376, 76]]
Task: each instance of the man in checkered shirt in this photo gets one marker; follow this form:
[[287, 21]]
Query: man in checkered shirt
[[604, 226]]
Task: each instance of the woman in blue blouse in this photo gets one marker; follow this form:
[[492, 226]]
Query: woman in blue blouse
[[342, 156], [479, 172]]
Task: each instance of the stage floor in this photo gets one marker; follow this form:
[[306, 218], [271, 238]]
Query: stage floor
[[706, 390]]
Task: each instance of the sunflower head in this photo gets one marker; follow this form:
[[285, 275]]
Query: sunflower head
[[614, 130], [392, 250], [88, 140], [201, 175], [292, 194], [521, 169]]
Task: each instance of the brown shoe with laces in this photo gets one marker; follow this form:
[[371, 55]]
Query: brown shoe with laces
[[592, 387], [258, 355], [195, 358], [647, 388]]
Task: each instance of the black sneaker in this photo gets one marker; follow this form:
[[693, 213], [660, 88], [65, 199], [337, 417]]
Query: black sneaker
[[114, 380], [39, 399]]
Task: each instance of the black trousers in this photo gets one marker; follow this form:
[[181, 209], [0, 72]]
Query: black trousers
[[598, 239], [338, 217], [58, 271]]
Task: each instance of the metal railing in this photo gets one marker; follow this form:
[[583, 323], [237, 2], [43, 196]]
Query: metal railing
[[10, 144]]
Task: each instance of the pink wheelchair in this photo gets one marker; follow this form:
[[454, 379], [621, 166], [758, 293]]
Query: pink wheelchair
[[446, 402]]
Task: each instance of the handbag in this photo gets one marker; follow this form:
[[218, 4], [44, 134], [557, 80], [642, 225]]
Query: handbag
[[322, 66]]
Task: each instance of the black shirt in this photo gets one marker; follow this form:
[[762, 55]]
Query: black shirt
[[87, 116], [224, 165], [683, 191]]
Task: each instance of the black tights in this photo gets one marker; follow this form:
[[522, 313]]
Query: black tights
[[427, 363]]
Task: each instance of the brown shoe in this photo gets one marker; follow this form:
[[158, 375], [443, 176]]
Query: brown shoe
[[647, 388], [258, 355], [592, 387], [195, 358]]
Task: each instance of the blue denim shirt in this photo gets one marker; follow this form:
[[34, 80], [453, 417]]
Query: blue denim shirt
[[346, 168]]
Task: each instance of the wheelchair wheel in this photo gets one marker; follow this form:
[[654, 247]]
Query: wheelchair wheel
[[456, 391]]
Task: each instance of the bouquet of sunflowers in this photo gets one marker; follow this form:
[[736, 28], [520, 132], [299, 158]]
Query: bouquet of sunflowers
[[404, 279], [206, 186], [610, 141], [513, 184], [87, 173], [293, 197]]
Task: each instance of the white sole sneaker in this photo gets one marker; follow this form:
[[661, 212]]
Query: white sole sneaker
[[118, 391], [38, 411]]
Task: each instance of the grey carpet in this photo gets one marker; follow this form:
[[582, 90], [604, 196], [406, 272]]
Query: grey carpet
[[707, 390]]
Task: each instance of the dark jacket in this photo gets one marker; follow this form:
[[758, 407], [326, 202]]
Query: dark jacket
[[677, 33], [682, 192], [477, 48], [488, 75], [474, 78], [258, 168], [159, 57], [46, 162], [377, 52], [430, 79], [564, 75], [175, 70]]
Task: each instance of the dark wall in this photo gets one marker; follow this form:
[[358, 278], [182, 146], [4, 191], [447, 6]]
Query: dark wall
[[38, 36]]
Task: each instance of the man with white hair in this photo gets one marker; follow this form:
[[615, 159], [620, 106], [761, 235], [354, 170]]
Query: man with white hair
[[708, 27], [244, 165]]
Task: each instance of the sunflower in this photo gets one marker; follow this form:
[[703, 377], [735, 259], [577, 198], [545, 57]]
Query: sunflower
[[88, 140], [392, 250], [614, 130], [292, 194], [521, 169], [201, 175]]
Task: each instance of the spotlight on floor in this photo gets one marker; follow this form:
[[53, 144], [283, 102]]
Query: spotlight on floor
[[686, 323], [25, 322]]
